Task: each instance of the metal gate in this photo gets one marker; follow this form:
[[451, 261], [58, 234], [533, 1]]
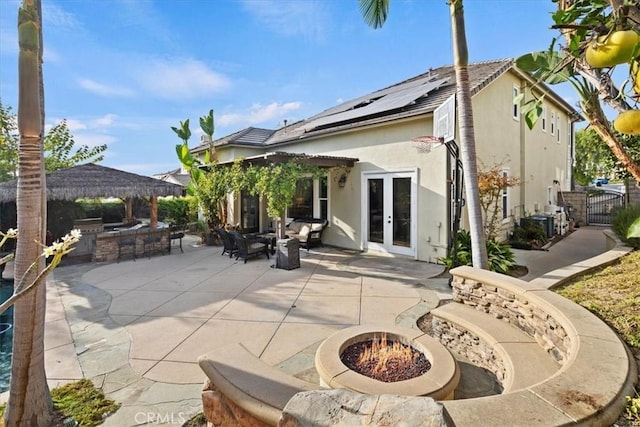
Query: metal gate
[[600, 205]]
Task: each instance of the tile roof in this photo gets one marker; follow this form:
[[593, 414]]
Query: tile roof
[[247, 136], [415, 96], [480, 75]]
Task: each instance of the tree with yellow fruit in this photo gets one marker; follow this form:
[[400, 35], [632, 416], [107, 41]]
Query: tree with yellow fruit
[[614, 48], [600, 59]]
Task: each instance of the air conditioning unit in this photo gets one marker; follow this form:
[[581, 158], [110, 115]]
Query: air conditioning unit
[[547, 222], [204, 139]]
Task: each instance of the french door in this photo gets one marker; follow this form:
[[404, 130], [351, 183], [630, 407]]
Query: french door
[[390, 212]]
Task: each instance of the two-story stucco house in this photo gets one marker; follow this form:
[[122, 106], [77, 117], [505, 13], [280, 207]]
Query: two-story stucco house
[[397, 198]]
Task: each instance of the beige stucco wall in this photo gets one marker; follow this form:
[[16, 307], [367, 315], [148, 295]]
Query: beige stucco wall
[[386, 148], [533, 155]]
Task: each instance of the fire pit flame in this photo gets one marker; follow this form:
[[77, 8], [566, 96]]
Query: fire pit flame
[[347, 358], [382, 352]]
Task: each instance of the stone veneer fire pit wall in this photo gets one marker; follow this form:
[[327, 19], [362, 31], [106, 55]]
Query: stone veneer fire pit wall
[[439, 382]]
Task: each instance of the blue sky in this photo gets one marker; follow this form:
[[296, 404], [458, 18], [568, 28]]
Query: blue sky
[[122, 72]]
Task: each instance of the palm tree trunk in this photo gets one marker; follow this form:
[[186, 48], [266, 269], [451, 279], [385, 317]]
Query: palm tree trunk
[[467, 137], [29, 398]]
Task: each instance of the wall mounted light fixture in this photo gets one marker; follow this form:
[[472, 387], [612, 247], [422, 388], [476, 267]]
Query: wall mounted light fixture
[[342, 181]]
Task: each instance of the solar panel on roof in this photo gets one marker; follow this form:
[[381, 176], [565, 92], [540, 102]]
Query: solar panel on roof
[[348, 105], [400, 97], [403, 97]]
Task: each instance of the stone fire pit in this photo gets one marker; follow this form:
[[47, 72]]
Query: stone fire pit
[[439, 382]]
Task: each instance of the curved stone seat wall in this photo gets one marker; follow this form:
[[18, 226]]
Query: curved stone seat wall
[[596, 373], [469, 345], [518, 303]]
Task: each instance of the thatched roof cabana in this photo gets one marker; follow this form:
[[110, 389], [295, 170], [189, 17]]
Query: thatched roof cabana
[[94, 181]]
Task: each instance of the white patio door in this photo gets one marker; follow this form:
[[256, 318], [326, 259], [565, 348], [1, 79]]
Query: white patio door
[[389, 208]]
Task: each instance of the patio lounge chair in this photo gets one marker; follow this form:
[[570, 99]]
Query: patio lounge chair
[[229, 245], [250, 246]]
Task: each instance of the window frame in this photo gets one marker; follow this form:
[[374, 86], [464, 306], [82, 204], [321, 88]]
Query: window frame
[[516, 105], [506, 198], [316, 200]]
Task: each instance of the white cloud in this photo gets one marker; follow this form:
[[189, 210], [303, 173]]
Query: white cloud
[[143, 16], [105, 121], [181, 79], [55, 16], [290, 18], [51, 55], [146, 169], [93, 139], [74, 125], [259, 114], [105, 90]]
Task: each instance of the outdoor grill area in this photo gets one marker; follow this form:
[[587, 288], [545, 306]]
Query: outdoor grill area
[[132, 243]]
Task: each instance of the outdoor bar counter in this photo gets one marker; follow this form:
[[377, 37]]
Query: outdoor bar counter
[[130, 243]]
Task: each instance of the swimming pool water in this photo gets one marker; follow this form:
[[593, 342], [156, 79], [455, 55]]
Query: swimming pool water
[[6, 336]]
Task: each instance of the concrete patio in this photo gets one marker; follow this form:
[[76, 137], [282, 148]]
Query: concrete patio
[[136, 328]]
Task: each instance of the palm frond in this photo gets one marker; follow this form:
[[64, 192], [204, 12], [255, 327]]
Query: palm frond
[[374, 12]]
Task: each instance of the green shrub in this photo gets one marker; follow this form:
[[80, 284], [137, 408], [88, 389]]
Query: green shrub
[[632, 410], [86, 404], [108, 211], [501, 258], [175, 211], [61, 215], [530, 232], [621, 220]]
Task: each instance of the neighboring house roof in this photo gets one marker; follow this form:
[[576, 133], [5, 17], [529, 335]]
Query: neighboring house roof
[[416, 96], [94, 181], [175, 176], [248, 137]]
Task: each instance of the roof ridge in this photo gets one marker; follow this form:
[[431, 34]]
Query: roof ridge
[[431, 69]]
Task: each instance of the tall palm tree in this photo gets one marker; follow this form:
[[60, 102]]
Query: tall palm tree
[[375, 14], [29, 397]]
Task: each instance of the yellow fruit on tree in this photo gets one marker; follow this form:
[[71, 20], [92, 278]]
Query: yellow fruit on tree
[[628, 122], [613, 49]]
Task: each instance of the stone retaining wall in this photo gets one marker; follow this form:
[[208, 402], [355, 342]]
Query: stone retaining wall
[[516, 310], [467, 344], [596, 370]]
